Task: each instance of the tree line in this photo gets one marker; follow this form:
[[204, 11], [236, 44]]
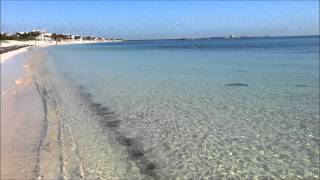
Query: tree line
[[20, 36], [35, 35]]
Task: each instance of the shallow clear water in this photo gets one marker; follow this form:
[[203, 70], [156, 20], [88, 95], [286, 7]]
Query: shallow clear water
[[204, 108]]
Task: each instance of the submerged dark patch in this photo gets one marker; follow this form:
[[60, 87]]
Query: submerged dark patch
[[104, 111], [136, 150], [125, 141], [85, 94], [301, 85], [134, 147], [44, 91], [95, 105], [109, 120], [237, 84], [112, 124], [147, 167], [137, 154], [150, 166]]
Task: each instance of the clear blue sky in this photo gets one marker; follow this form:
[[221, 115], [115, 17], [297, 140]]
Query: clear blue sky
[[163, 19]]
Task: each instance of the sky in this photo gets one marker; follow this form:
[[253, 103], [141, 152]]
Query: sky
[[163, 19]]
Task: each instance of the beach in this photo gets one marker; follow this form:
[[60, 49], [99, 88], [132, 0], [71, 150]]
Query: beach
[[21, 118], [17, 47], [246, 110], [23, 111], [160, 90]]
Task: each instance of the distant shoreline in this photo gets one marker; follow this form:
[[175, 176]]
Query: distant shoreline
[[233, 38], [10, 48]]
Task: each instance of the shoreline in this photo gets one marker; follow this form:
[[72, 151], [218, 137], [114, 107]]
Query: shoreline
[[76, 135], [10, 54], [11, 48], [35, 143], [25, 45], [23, 119]]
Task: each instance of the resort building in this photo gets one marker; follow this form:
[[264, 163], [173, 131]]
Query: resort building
[[43, 35]]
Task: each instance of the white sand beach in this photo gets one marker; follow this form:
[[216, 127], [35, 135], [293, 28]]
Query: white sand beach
[[5, 56], [21, 110]]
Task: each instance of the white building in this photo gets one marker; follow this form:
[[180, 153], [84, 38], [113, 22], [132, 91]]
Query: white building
[[43, 35], [47, 36], [39, 31]]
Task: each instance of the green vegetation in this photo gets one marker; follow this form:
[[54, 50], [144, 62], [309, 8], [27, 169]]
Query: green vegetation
[[60, 37], [20, 36], [36, 35], [4, 36]]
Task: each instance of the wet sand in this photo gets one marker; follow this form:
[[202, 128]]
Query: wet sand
[[21, 120]]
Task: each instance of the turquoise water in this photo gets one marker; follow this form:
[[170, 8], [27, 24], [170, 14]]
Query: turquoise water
[[193, 109]]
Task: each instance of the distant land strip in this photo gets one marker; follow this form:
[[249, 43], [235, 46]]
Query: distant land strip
[[11, 48]]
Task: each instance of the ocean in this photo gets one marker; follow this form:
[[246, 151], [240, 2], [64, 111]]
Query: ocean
[[189, 109]]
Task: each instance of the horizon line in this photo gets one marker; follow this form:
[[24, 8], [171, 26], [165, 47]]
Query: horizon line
[[224, 37]]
